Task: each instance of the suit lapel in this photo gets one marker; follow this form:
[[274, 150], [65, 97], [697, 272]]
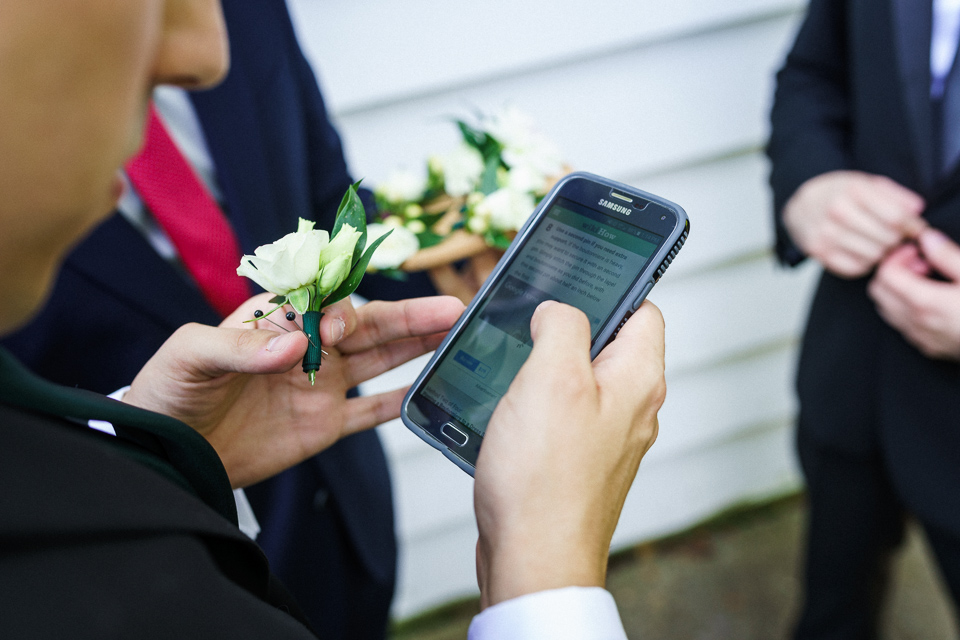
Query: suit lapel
[[133, 272], [912, 26], [190, 455]]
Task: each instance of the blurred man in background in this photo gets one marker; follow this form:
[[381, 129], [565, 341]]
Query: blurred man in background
[[865, 148]]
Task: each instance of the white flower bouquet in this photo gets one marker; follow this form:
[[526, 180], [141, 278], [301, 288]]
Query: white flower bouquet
[[472, 199]]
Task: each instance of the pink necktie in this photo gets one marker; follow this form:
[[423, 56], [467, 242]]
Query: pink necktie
[[191, 217]]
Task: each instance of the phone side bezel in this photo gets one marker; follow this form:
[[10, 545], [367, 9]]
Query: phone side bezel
[[581, 187]]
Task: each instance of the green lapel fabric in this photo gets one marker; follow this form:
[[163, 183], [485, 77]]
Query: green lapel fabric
[[191, 461]]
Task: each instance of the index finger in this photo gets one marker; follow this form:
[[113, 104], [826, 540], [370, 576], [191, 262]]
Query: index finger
[[893, 205], [381, 322]]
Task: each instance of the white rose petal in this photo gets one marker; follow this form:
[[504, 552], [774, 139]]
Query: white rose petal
[[288, 264], [478, 224], [523, 144], [400, 245], [526, 178], [402, 185], [507, 209], [462, 170]]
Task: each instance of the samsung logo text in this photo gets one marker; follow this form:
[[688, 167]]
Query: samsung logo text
[[619, 208]]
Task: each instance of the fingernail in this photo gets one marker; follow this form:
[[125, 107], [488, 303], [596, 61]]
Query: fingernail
[[339, 328], [546, 304], [279, 343]]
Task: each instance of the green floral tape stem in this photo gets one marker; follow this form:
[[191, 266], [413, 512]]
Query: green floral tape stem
[[311, 326]]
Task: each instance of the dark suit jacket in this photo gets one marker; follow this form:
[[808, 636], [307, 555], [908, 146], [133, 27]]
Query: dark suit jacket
[[121, 537], [854, 94], [116, 301]]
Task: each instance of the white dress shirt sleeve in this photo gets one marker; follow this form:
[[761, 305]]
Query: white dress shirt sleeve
[[578, 613]]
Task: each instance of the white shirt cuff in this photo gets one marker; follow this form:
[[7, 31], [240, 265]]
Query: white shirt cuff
[[581, 613], [103, 425]]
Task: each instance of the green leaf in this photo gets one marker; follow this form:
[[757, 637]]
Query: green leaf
[[352, 281], [278, 299], [429, 239], [473, 137], [497, 239], [488, 182], [351, 211], [395, 274]]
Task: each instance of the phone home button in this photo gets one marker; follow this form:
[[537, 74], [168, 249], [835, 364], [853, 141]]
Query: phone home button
[[453, 434]]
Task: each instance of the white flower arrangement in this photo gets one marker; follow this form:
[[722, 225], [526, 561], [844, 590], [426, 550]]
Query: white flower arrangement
[[487, 186]]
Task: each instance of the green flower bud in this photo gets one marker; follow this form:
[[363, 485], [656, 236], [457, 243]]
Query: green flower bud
[[336, 259]]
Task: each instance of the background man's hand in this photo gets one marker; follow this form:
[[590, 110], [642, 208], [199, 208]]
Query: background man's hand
[[241, 386], [926, 311], [561, 452], [849, 220]]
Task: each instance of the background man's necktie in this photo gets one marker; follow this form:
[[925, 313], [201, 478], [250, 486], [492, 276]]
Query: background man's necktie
[[183, 206]]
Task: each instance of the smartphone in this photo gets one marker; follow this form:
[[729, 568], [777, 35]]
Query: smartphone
[[592, 243]]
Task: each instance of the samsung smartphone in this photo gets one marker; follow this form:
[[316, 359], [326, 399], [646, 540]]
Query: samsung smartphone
[[591, 243]]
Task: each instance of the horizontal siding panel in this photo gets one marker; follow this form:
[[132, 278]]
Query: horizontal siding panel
[[436, 570], [378, 50], [729, 207], [674, 494], [625, 115], [432, 494], [714, 404], [724, 312]]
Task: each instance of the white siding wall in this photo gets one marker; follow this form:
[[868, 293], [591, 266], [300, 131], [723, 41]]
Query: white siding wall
[[670, 96]]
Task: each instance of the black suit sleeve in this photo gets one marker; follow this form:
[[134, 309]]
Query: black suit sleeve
[[811, 117]]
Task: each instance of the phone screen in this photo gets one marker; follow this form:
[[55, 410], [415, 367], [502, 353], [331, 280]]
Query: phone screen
[[576, 255]]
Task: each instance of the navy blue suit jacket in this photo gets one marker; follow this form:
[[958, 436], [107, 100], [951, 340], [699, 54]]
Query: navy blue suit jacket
[[277, 158]]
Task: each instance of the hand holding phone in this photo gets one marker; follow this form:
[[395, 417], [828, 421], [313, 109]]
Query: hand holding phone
[[561, 452], [592, 243]]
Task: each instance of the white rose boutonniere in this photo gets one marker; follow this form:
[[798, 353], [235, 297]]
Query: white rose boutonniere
[[309, 270]]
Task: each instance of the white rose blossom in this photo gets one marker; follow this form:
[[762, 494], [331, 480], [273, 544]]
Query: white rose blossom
[[462, 169], [523, 144], [401, 186], [399, 245], [506, 209], [526, 178], [290, 263]]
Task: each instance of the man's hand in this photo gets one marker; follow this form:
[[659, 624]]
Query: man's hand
[[924, 310], [849, 220], [240, 385], [561, 452]]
